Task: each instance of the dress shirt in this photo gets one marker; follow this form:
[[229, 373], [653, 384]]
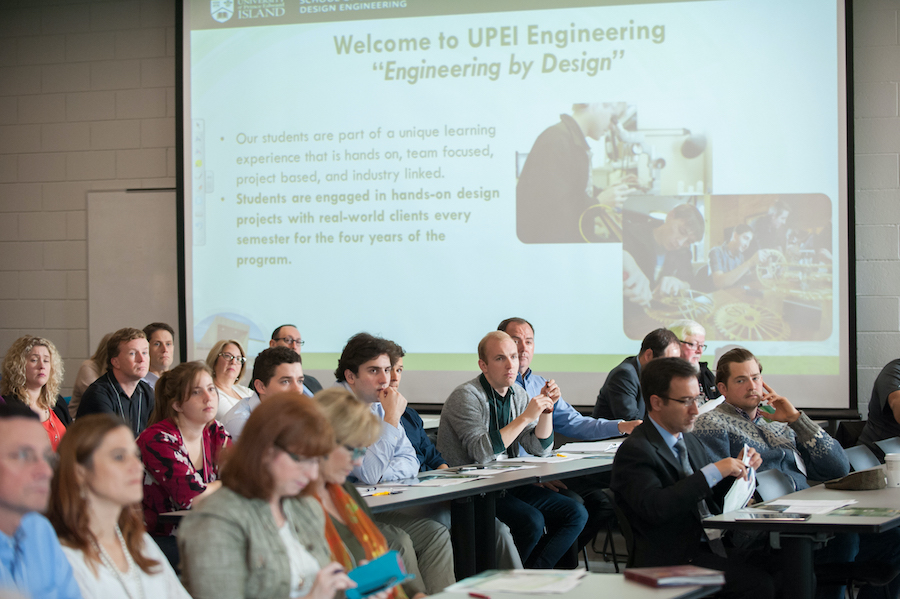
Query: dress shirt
[[237, 416], [391, 457], [566, 419], [32, 562], [710, 471]]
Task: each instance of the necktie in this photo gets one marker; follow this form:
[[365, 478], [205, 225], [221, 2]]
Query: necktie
[[713, 536]]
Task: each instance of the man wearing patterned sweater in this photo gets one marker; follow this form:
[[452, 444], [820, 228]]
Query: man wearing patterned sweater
[[788, 440]]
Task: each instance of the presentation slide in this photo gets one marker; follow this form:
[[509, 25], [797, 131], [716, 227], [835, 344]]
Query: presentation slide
[[423, 169]]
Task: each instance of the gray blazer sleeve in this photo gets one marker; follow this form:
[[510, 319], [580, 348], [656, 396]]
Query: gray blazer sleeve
[[467, 418]]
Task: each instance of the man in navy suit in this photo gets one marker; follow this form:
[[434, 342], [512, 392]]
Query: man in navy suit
[[620, 397], [664, 483]]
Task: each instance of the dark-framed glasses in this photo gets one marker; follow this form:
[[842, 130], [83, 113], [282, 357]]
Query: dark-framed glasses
[[694, 346], [686, 402], [291, 341], [296, 457], [230, 358]]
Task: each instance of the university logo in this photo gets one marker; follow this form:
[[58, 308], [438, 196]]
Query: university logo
[[221, 10]]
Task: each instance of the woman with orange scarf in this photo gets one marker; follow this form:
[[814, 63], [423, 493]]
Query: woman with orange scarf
[[351, 534]]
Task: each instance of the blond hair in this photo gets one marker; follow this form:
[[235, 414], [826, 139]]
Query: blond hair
[[482, 345], [13, 369], [353, 422], [216, 349]]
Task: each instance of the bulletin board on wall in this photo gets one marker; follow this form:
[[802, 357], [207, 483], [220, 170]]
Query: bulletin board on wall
[[132, 260]]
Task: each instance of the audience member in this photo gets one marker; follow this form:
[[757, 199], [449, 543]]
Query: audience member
[[665, 483], [32, 373], [31, 560], [789, 441], [884, 406], [275, 370], [364, 369], [95, 507], [431, 459], [287, 335], [121, 390], [489, 418], [161, 338], [181, 445], [570, 422], [620, 396], [349, 527], [228, 361], [262, 536], [89, 371], [692, 341]]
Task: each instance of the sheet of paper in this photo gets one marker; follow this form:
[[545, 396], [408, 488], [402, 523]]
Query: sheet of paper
[[740, 493], [553, 459], [812, 506], [446, 481], [521, 581], [591, 447]]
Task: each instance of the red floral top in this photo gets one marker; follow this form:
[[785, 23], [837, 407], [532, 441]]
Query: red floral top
[[170, 479]]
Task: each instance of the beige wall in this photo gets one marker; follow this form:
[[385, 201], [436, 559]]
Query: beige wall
[[87, 102]]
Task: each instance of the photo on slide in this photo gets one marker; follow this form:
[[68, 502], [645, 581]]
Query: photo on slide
[[746, 267], [572, 184]]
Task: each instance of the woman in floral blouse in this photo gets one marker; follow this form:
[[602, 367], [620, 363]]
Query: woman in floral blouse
[[181, 446]]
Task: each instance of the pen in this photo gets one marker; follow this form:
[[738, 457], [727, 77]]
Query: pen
[[561, 455], [381, 493], [478, 595]]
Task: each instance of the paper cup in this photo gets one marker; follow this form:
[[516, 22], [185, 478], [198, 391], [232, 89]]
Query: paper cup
[[892, 468]]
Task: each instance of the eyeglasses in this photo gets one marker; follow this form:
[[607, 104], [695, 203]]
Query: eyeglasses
[[693, 345], [296, 457], [356, 452], [687, 402], [29, 457], [290, 341], [229, 358]]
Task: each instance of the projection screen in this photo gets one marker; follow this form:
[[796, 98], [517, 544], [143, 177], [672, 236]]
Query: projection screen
[[423, 169]]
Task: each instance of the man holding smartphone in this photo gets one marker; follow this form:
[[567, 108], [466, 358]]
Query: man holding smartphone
[[788, 440]]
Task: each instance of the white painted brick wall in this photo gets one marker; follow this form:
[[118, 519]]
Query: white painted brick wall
[[87, 102]]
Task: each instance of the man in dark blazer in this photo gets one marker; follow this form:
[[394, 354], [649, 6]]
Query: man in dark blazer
[[287, 335], [663, 499], [620, 397]]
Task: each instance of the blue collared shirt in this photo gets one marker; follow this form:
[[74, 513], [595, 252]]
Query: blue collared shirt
[[32, 562], [566, 419], [710, 471], [391, 457]]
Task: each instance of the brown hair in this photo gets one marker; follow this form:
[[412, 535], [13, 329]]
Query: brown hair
[[738, 355], [68, 510], [121, 336], [13, 381], [173, 388], [99, 356], [353, 422], [213, 356], [288, 421]]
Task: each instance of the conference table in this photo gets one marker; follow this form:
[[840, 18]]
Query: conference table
[[798, 540], [472, 507], [604, 585]]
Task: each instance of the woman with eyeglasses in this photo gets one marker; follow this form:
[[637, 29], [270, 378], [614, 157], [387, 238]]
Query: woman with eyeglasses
[[181, 447], [228, 361], [262, 535], [352, 534], [95, 507], [32, 373]]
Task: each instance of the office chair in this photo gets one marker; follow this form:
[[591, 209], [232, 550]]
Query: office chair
[[861, 457]]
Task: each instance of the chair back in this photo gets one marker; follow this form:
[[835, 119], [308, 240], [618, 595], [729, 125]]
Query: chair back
[[624, 527], [773, 484], [891, 445], [861, 457]]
